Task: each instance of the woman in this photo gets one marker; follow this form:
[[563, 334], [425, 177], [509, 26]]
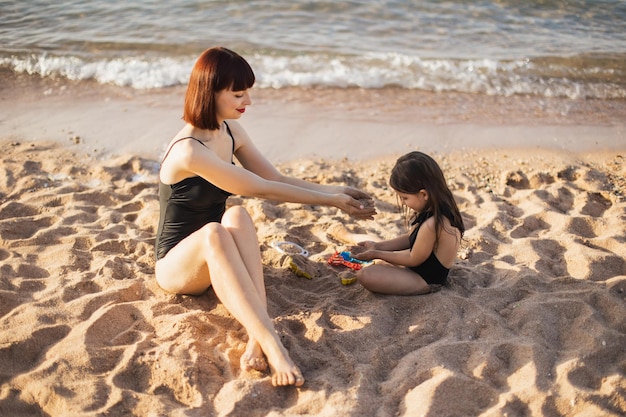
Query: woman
[[199, 244]]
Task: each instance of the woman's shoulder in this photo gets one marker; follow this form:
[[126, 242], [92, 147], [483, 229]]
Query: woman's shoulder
[[233, 124], [236, 129], [181, 146]]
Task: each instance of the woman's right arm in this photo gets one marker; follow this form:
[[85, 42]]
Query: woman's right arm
[[205, 163]]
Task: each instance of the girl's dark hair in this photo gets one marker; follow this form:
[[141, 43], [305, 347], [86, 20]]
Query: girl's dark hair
[[215, 70], [417, 171]]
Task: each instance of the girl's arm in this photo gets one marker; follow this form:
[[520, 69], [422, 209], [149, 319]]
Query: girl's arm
[[424, 244], [252, 159], [398, 243]]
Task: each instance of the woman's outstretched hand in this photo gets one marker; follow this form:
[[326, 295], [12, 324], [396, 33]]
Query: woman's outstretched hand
[[358, 195], [361, 209], [361, 204]]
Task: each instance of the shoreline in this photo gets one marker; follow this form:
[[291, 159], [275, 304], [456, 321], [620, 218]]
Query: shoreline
[[294, 124]]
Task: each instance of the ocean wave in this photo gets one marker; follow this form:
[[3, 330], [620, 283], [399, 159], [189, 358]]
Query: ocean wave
[[575, 77]]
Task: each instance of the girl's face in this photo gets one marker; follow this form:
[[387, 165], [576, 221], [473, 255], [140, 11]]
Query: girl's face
[[418, 202], [231, 104]]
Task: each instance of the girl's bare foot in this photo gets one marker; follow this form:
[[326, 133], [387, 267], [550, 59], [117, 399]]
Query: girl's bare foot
[[253, 358]]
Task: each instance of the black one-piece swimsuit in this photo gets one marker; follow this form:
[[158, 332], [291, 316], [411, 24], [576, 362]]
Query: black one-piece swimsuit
[[187, 206], [431, 270]]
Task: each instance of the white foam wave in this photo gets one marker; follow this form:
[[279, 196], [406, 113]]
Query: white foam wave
[[485, 76], [127, 72]]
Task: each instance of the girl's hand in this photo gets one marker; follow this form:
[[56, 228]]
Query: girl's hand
[[366, 255], [363, 246], [363, 251]]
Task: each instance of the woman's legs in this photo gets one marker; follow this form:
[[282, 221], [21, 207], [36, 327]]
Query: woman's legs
[[390, 279], [227, 257], [238, 222]]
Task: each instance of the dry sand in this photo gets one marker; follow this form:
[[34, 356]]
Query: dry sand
[[532, 323]]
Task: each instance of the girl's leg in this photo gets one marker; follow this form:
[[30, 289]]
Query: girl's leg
[[389, 279], [211, 257]]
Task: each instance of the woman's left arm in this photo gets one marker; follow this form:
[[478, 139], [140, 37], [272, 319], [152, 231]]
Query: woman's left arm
[[253, 160]]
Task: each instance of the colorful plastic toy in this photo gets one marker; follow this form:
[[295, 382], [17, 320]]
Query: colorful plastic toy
[[344, 258]]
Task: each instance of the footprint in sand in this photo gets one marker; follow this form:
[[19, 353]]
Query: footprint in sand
[[8, 301], [561, 199], [15, 209], [117, 325], [593, 263], [596, 205], [551, 257], [15, 229], [569, 174], [19, 356], [517, 180], [529, 227], [540, 179], [581, 226]]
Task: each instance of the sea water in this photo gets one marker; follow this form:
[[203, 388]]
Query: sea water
[[551, 48]]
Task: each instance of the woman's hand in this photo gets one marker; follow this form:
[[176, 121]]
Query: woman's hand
[[359, 209], [357, 194]]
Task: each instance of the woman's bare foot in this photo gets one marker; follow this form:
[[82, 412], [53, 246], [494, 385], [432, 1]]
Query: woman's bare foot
[[284, 371], [253, 358], [289, 376]]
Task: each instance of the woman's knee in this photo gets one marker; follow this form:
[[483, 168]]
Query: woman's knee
[[237, 215], [214, 233]]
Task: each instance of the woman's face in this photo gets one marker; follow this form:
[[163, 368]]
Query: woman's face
[[231, 104]]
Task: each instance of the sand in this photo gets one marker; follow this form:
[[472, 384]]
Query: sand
[[533, 322]]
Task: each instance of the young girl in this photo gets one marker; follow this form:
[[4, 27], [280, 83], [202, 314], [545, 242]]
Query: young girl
[[417, 262]]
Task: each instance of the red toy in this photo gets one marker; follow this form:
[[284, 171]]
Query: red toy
[[344, 258]]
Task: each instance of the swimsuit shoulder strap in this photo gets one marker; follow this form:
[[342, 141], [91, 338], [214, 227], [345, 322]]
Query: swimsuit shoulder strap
[[178, 140], [231, 136], [421, 218]]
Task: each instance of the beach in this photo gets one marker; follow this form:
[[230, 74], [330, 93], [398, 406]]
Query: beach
[[533, 321]]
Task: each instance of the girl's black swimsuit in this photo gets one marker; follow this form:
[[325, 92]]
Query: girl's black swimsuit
[[187, 206], [431, 270]]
